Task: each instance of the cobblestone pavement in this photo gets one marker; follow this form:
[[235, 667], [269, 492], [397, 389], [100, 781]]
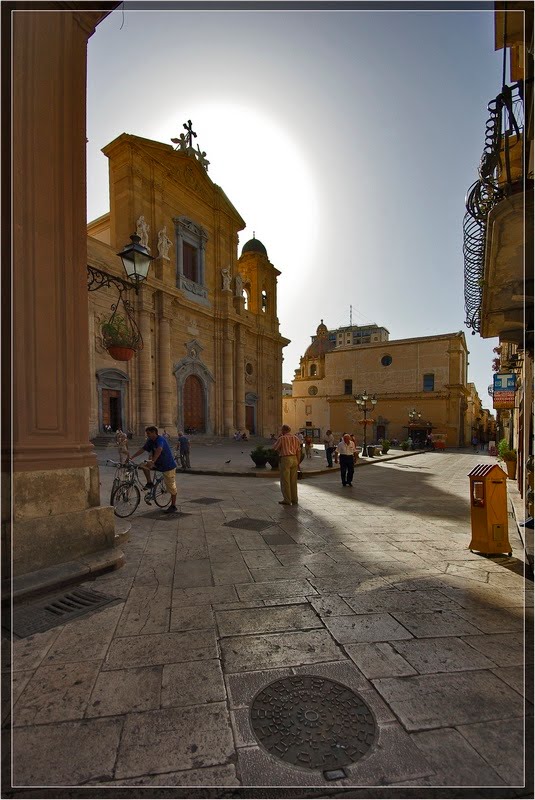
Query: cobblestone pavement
[[372, 587]]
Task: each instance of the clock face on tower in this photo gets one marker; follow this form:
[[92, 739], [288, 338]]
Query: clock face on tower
[[312, 390]]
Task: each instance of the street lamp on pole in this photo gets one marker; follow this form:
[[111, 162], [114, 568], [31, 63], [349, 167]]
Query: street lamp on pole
[[362, 403], [414, 418]]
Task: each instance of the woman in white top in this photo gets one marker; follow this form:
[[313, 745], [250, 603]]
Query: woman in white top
[[346, 452]]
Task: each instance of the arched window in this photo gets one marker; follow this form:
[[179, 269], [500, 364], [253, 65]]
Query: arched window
[[263, 301], [313, 370], [246, 297]]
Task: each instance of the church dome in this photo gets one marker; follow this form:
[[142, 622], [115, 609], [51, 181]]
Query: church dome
[[254, 246], [321, 344]]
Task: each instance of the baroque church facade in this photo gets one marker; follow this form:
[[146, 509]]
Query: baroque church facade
[[211, 355]]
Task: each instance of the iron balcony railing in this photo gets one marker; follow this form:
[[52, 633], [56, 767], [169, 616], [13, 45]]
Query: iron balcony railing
[[500, 168]]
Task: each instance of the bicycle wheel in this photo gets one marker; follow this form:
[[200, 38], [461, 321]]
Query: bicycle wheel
[[162, 498], [125, 499], [114, 486]]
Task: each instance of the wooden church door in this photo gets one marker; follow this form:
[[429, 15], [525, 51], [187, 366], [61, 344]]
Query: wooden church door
[[194, 405]]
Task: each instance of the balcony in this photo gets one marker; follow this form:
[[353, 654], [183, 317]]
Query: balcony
[[498, 235]]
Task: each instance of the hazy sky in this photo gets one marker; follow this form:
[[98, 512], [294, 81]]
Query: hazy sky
[[345, 139]]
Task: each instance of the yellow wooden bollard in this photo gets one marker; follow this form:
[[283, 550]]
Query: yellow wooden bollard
[[488, 510]]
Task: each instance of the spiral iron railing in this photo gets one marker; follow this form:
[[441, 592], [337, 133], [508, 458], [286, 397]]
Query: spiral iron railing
[[503, 129]]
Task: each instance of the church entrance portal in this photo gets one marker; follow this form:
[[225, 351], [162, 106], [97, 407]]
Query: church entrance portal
[[249, 419], [194, 405], [111, 408]]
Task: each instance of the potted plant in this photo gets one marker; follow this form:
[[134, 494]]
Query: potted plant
[[119, 338], [509, 456], [405, 445], [259, 456], [385, 446], [272, 457]]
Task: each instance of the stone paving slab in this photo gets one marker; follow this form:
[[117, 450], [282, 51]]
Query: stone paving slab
[[379, 660], [501, 743], [442, 654], [161, 648], [445, 700], [174, 739], [269, 589], [192, 573], [277, 649], [192, 683], [189, 618], [366, 628], [434, 623], [266, 620], [205, 595], [518, 678], [494, 620], [87, 638], [65, 753], [210, 776], [330, 606], [146, 611], [505, 649], [395, 600], [455, 761], [125, 691], [56, 692]]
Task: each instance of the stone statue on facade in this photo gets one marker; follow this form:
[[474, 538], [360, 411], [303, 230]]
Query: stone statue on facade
[[142, 230], [164, 243], [238, 283], [225, 274], [201, 155]]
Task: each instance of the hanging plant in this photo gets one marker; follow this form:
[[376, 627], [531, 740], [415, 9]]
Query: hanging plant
[[120, 335]]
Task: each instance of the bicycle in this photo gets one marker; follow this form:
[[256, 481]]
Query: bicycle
[[126, 495]]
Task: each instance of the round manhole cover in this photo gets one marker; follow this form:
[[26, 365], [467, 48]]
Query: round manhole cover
[[312, 722]]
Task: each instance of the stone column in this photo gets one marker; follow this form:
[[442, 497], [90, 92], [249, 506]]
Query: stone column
[[240, 378], [228, 382], [165, 416], [145, 366], [57, 516]]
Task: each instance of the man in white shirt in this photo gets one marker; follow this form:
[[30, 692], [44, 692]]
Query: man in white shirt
[[346, 452], [328, 441]]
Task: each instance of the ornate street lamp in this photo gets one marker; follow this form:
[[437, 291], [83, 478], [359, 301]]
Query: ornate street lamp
[[136, 261], [414, 418], [362, 402]]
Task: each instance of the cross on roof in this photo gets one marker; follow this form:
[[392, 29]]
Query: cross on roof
[[190, 132]]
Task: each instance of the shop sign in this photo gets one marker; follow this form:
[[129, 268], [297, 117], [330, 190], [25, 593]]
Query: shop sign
[[504, 399], [504, 382]]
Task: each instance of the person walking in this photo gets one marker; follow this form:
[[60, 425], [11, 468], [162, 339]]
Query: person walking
[[346, 452], [308, 446], [288, 447], [161, 458], [183, 451], [328, 441], [121, 440]]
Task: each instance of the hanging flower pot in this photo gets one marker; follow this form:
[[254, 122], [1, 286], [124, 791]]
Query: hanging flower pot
[[120, 335], [121, 353]]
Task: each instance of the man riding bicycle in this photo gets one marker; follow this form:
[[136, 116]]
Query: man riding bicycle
[[162, 460]]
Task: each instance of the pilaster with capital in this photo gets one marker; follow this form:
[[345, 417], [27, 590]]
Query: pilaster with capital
[[240, 378], [145, 363], [165, 384], [228, 379]]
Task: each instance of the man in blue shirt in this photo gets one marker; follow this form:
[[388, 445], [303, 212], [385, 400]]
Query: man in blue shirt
[[161, 458]]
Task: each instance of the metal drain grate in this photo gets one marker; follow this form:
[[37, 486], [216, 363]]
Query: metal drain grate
[[49, 612], [250, 524], [206, 501], [313, 722]]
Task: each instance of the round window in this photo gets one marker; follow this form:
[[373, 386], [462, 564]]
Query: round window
[[386, 361], [249, 368], [312, 390]]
